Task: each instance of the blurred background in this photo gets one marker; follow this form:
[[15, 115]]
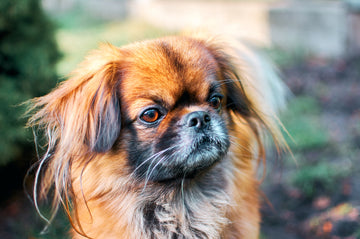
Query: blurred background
[[315, 44]]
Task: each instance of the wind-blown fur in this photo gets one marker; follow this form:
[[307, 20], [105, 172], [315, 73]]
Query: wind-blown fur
[[92, 128]]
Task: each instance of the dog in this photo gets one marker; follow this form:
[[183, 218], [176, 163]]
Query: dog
[[159, 139]]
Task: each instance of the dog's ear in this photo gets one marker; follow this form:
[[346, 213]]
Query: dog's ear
[[84, 110], [104, 117], [252, 84], [236, 98], [254, 90]]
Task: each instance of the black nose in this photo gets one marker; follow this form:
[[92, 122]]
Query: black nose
[[197, 119]]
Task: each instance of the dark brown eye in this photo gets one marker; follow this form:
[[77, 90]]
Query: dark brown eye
[[150, 115], [215, 102]]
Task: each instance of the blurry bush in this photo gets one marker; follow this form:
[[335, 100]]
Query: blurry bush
[[28, 53], [318, 179]]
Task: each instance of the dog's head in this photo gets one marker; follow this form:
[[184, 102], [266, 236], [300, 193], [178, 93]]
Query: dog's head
[[167, 103]]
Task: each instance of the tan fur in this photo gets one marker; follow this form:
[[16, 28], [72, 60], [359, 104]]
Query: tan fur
[[98, 190]]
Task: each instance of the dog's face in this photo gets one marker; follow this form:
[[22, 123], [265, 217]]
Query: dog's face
[[166, 104], [172, 103]]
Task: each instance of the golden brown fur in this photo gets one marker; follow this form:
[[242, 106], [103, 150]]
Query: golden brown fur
[[91, 119]]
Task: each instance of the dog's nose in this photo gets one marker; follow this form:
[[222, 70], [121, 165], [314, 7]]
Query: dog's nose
[[198, 119]]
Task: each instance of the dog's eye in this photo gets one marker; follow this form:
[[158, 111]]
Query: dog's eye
[[215, 101], [150, 115]]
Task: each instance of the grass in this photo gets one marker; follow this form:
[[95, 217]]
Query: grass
[[283, 58], [302, 120], [319, 178]]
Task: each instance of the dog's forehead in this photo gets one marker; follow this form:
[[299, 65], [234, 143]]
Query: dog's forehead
[[169, 71]]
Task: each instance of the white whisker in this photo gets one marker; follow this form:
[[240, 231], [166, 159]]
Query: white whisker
[[152, 170], [150, 158]]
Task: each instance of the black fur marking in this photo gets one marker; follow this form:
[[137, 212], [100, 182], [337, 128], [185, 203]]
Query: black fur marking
[[149, 215], [137, 152], [215, 87], [152, 223], [236, 101], [175, 59], [185, 100], [168, 138]]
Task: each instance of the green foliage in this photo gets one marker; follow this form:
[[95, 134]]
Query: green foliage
[[320, 177], [28, 54], [29, 225], [303, 124], [285, 58], [58, 229], [77, 18], [357, 234]]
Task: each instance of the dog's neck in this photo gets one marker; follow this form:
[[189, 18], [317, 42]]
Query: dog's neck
[[194, 208]]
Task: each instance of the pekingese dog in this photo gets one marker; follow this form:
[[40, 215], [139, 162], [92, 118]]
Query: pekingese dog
[[159, 139]]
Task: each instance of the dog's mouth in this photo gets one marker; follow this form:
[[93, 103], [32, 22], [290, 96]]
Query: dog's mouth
[[183, 160], [205, 143], [204, 150]]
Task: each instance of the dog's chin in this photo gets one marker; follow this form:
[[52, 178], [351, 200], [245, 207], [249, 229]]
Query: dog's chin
[[188, 162]]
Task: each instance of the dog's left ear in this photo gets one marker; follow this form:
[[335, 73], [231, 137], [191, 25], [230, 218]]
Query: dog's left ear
[[236, 98], [83, 113], [104, 121], [253, 89], [252, 83]]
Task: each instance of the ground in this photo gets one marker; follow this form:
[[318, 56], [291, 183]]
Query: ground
[[316, 194]]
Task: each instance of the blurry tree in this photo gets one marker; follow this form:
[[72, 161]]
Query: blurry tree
[[28, 53]]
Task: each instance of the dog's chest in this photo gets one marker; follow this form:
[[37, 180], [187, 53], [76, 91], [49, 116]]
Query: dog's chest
[[195, 210], [161, 221], [185, 219]]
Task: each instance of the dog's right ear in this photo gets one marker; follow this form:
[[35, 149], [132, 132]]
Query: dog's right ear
[[84, 111]]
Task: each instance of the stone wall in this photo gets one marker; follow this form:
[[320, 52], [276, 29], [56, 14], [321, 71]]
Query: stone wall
[[354, 32], [242, 19], [320, 27]]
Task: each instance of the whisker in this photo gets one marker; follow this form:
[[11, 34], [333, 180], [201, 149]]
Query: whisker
[[35, 188], [149, 175], [182, 190], [150, 158]]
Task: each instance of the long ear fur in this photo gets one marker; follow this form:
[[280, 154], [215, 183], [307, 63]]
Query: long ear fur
[[85, 108], [254, 90], [80, 118]]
